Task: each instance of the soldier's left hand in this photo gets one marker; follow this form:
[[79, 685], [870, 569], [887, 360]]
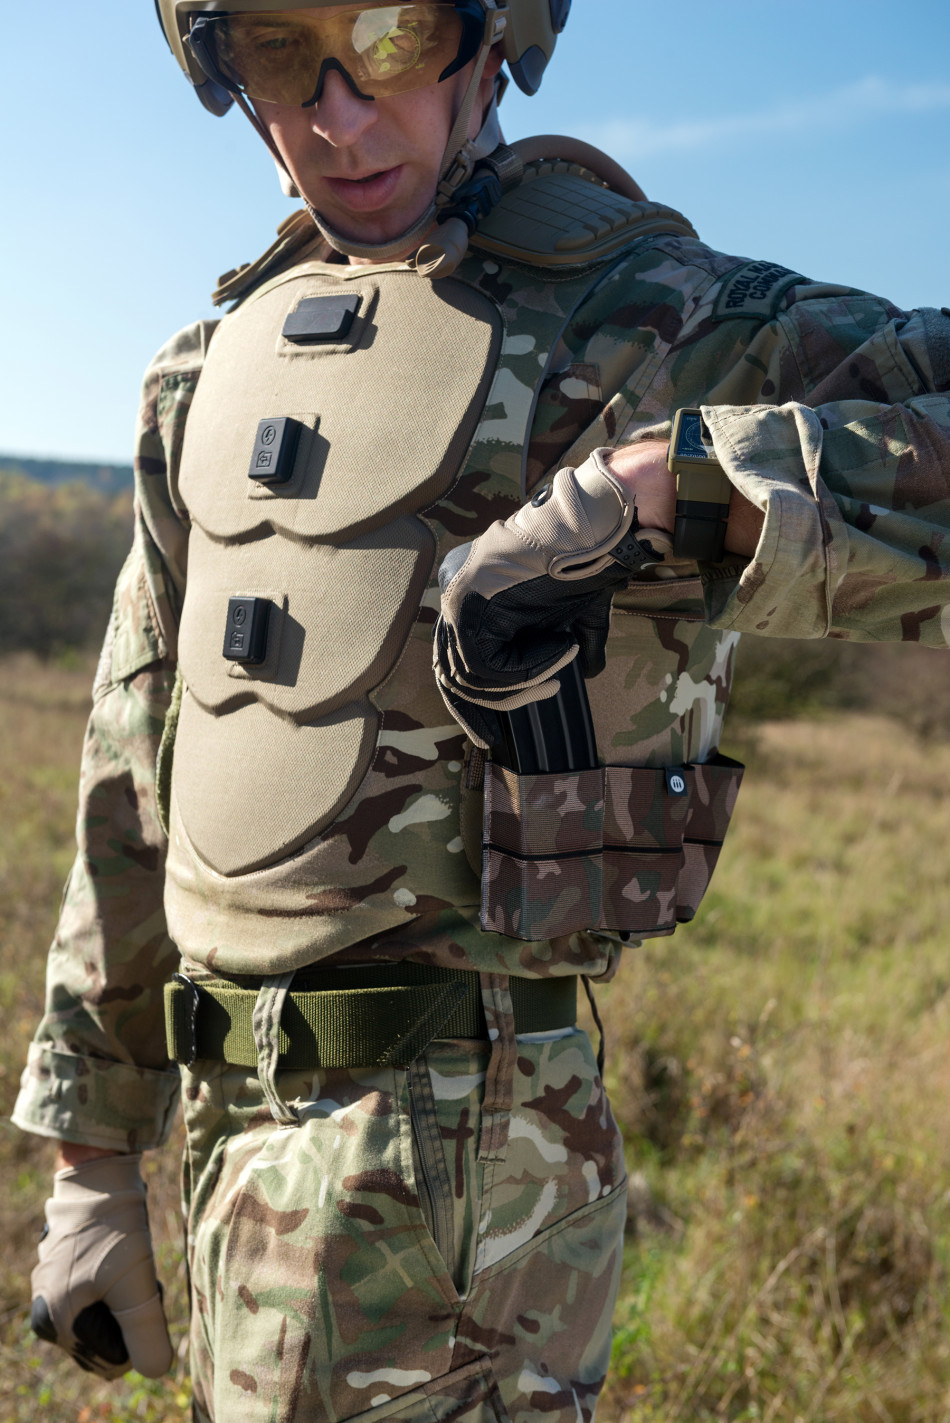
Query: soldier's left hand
[[95, 1293], [533, 592]]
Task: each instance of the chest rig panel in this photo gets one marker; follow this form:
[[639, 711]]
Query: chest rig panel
[[315, 796], [266, 754]]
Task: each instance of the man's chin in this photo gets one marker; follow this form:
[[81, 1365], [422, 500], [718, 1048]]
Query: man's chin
[[378, 227]]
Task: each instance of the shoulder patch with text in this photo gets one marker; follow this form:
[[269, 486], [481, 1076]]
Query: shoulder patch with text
[[754, 289]]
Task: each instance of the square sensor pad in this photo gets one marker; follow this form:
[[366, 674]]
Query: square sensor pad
[[275, 446], [245, 635], [321, 318]]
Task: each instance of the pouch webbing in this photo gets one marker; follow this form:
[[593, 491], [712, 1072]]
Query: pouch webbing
[[376, 1022], [629, 849]]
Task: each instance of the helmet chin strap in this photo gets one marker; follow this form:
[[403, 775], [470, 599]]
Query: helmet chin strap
[[459, 159]]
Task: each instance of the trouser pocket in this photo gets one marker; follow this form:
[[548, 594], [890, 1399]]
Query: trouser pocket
[[429, 1168], [626, 848], [469, 1393]]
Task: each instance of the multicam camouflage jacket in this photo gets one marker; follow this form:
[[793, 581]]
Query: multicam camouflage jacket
[[830, 411]]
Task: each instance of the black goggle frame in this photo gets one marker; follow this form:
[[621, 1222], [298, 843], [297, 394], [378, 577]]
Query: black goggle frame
[[471, 13]]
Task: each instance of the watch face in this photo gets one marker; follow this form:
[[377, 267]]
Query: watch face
[[693, 441]]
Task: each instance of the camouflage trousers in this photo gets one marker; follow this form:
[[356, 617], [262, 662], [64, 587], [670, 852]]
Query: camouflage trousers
[[404, 1247]]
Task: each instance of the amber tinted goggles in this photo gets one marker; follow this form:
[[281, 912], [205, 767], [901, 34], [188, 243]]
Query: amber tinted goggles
[[283, 57]]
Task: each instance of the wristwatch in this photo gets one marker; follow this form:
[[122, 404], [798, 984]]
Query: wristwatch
[[702, 490]]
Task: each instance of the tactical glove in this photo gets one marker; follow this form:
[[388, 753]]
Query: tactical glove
[[95, 1292], [532, 593]]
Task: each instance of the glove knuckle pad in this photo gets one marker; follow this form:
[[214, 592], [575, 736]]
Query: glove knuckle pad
[[98, 1334], [41, 1321]]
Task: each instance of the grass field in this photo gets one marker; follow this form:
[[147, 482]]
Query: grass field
[[780, 1070]]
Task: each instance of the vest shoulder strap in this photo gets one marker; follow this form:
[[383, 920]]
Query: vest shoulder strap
[[297, 238], [563, 214]]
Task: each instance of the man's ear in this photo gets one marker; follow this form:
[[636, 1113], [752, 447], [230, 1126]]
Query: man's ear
[[496, 58], [486, 89]]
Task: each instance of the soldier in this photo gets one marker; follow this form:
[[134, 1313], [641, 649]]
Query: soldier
[[404, 1189]]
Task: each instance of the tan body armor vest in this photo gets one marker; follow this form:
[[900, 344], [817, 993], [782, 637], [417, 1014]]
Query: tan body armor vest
[[316, 791]]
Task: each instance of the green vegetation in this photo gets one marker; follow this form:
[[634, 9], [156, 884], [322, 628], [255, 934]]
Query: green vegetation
[[43, 709], [61, 548], [777, 679], [107, 478], [779, 1070]]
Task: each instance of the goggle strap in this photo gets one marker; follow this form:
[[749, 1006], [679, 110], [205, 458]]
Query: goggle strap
[[262, 130], [458, 141]]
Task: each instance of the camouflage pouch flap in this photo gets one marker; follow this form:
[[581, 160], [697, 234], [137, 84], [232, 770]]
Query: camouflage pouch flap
[[541, 852], [629, 849], [545, 814], [712, 799], [136, 638], [663, 830]]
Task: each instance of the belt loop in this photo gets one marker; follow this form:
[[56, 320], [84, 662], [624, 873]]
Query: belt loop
[[185, 1043], [500, 1076], [266, 1027], [602, 1047]]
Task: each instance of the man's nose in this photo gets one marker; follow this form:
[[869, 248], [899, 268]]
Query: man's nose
[[339, 115]]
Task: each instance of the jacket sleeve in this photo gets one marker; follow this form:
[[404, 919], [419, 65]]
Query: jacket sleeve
[[855, 488], [97, 1071]]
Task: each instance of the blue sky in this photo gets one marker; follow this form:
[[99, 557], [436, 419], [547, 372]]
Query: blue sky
[[815, 133]]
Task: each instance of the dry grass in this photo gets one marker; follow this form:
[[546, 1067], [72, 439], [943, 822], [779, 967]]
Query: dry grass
[[43, 711], [780, 1072]]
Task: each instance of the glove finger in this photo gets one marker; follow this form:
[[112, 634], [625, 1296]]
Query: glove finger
[[41, 1321], [146, 1337], [452, 563], [449, 665], [519, 659], [523, 633], [100, 1347], [451, 671], [93, 1338], [481, 726], [591, 631], [554, 601], [502, 641], [134, 1296], [442, 643], [475, 691], [592, 657], [516, 695], [447, 656]]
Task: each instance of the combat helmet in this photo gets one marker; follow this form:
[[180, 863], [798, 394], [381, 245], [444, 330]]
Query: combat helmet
[[527, 29], [531, 31]]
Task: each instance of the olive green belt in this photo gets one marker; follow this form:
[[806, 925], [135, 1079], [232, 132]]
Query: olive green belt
[[355, 1016]]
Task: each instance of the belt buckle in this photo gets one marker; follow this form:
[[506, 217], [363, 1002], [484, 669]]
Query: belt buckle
[[191, 1017]]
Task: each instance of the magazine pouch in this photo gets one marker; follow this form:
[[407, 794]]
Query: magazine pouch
[[625, 848]]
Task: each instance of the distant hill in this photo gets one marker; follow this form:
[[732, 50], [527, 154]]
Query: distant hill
[[107, 478]]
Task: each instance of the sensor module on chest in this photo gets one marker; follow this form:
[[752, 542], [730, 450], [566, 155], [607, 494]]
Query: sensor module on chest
[[319, 319], [245, 635], [275, 446]]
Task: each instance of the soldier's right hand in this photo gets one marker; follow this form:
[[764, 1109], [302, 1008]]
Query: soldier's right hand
[[95, 1291], [532, 592]]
